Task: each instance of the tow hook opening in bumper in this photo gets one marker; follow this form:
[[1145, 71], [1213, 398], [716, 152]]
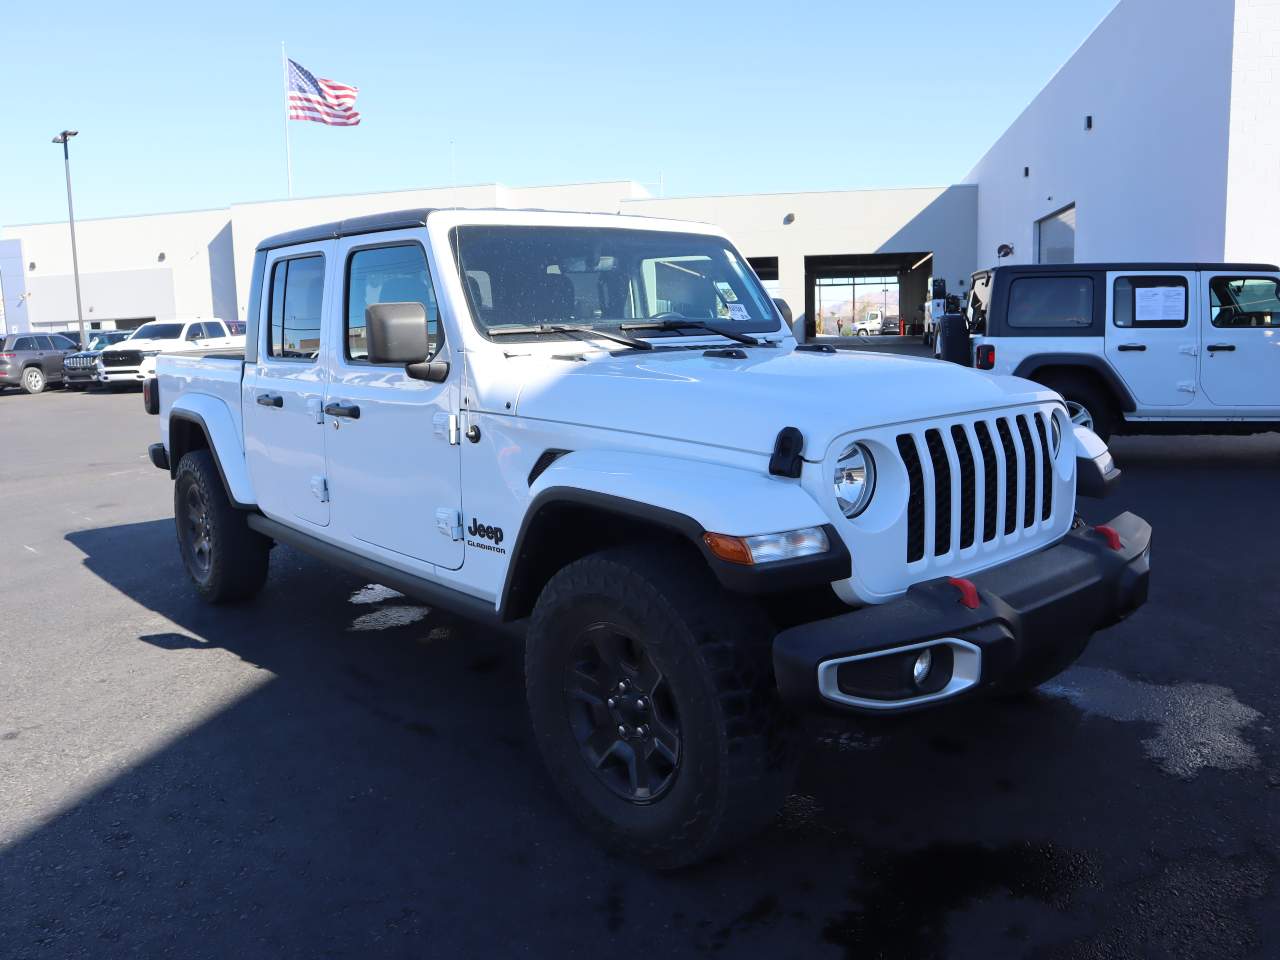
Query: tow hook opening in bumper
[[902, 676]]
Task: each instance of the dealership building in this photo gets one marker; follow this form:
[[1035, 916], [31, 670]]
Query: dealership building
[[1157, 140]]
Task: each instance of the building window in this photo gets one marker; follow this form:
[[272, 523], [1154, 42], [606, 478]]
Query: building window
[[1056, 237]]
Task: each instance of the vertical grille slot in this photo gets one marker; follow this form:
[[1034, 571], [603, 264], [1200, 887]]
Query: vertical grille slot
[[941, 492], [915, 498], [989, 480], [968, 487], [1010, 477], [1029, 493], [1046, 511]]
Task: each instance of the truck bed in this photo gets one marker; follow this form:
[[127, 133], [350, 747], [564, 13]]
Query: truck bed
[[215, 376]]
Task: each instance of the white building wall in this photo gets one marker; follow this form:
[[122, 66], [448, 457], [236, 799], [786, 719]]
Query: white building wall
[[1253, 186], [940, 220], [1150, 180]]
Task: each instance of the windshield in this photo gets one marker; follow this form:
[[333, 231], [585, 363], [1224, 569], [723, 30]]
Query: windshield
[[518, 276], [158, 331]]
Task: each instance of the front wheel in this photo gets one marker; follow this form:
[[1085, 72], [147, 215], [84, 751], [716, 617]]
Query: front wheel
[[1087, 404], [225, 559], [654, 706], [33, 380]]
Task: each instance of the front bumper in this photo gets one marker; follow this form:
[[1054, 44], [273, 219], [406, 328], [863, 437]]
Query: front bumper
[[1041, 608]]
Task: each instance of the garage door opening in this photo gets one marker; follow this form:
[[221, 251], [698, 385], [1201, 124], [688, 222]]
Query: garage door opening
[[859, 295]]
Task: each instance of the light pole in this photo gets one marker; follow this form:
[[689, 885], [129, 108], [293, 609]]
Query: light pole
[[64, 138]]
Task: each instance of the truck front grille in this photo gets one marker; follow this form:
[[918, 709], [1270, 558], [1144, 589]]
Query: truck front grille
[[122, 358], [988, 475]]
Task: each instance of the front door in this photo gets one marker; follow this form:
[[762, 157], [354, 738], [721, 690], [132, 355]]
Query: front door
[[391, 441], [1240, 359], [284, 389], [1152, 340]]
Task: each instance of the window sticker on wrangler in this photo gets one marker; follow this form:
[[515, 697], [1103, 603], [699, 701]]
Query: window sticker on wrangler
[[1150, 302]]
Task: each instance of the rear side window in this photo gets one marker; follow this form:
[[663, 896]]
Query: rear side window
[[297, 291], [1244, 302], [394, 274], [1051, 302], [1150, 302], [25, 343]]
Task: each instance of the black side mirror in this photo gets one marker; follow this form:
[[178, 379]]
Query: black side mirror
[[783, 308], [397, 333]]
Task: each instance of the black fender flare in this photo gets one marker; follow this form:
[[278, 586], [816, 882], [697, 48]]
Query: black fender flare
[[776, 577], [1085, 361]]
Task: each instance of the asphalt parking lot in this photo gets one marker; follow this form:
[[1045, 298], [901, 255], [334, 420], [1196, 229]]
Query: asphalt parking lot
[[334, 770]]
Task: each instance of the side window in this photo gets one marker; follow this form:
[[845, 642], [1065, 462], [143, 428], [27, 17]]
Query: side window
[[44, 343], [1244, 302], [195, 331], [214, 328], [62, 343], [1150, 302], [25, 343], [394, 274], [1051, 302], [297, 291]]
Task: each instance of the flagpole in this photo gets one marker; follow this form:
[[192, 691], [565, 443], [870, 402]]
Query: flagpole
[[288, 150]]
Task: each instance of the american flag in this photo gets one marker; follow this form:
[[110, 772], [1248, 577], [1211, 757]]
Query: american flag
[[324, 101]]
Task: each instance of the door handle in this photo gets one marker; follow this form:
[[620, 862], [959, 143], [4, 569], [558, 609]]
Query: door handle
[[1126, 347], [1215, 347], [349, 410], [270, 400]]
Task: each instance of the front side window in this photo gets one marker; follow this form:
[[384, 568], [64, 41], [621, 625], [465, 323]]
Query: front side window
[[297, 293], [62, 343], [45, 343], [196, 331], [1051, 302], [522, 276], [1150, 302], [394, 274], [1244, 302]]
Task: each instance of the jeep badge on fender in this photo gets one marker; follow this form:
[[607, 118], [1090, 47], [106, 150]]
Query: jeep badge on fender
[[679, 597]]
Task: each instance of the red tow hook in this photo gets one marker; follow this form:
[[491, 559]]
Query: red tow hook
[[968, 592], [1109, 534]]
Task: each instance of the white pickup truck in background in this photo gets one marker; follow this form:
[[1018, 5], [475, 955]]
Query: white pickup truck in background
[[134, 360], [597, 433]]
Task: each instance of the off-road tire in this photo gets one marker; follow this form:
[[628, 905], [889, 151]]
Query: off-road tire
[[34, 380], [1086, 392], [237, 557], [737, 753]]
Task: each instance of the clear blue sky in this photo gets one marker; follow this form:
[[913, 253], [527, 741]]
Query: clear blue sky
[[179, 105]]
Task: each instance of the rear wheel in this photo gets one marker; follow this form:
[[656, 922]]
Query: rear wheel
[[225, 559], [33, 380], [1088, 404], [653, 704]]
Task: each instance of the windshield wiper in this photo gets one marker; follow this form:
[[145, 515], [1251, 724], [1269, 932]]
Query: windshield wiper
[[674, 324], [581, 331]]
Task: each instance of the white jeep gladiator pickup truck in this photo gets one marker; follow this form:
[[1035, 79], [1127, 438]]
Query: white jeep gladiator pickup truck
[[596, 431]]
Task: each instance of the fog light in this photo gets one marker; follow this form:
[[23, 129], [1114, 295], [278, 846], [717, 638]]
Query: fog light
[[920, 670]]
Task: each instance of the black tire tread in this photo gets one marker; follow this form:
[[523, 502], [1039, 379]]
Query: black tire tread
[[732, 640], [240, 555]]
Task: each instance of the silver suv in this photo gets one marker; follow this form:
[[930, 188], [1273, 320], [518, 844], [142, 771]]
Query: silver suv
[[33, 360]]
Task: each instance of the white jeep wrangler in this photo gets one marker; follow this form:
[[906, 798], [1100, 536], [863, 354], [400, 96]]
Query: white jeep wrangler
[[1138, 347], [596, 432]]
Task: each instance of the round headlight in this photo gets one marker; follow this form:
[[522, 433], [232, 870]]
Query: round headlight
[[855, 479], [1055, 430]]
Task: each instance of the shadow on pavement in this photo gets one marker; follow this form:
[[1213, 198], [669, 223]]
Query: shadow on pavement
[[378, 794]]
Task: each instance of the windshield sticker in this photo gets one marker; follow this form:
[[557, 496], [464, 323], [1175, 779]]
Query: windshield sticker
[[738, 311]]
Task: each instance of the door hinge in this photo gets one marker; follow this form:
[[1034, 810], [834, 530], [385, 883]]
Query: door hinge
[[445, 426], [1191, 350], [315, 407], [1187, 386], [320, 487], [449, 522]]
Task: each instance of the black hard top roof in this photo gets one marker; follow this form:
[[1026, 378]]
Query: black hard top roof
[[372, 223], [1128, 267]]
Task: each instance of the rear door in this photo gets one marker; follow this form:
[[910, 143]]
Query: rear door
[[1240, 360], [1152, 340], [284, 388], [392, 446]]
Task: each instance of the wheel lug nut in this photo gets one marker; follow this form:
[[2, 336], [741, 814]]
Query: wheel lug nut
[[611, 703], [642, 731], [622, 731], [642, 704], [622, 686]]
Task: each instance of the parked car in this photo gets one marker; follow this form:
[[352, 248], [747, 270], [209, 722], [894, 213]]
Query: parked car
[[135, 360], [33, 360], [1138, 347], [81, 368], [890, 325], [697, 525], [871, 324]]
